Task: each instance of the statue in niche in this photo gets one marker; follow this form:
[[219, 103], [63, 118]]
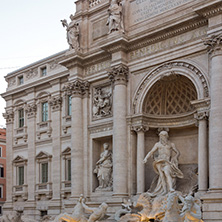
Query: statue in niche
[[165, 165], [104, 169], [72, 33], [115, 19], [101, 103]]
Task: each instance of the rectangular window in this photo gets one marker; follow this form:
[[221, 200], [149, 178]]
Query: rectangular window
[[1, 171], [44, 112], [69, 170], [0, 210], [43, 71], [1, 191], [20, 175], [20, 80], [44, 172], [69, 105], [0, 151], [21, 117]]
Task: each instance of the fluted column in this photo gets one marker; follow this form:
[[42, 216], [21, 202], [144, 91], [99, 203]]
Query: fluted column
[[77, 89], [214, 43], [202, 118], [118, 76], [140, 156]]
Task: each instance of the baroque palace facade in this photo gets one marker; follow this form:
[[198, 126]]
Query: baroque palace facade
[[81, 121]]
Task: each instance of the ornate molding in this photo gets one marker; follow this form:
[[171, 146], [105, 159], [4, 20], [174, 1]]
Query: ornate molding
[[201, 115], [31, 110], [140, 128], [214, 44], [9, 116], [55, 103], [119, 74], [76, 88]]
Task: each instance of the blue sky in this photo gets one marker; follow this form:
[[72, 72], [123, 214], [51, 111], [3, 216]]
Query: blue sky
[[30, 30]]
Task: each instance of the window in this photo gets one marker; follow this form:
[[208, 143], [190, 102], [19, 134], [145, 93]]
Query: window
[[43, 71], [0, 210], [20, 80], [69, 170], [1, 171], [44, 112], [69, 105], [20, 175], [1, 191], [44, 172], [21, 117], [0, 151]]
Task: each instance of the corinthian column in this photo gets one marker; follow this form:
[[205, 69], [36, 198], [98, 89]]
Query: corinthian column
[[140, 156], [77, 89], [215, 122], [118, 76]]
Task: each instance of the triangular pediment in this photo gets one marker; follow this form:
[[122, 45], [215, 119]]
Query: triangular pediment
[[67, 151], [43, 155], [19, 159]]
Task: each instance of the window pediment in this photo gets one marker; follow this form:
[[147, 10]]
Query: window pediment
[[43, 155], [67, 151], [19, 159]]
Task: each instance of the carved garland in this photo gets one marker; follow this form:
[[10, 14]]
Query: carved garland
[[169, 66]]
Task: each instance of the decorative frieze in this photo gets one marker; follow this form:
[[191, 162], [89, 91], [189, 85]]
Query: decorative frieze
[[11, 81], [9, 116], [138, 128], [31, 110], [76, 88], [102, 102], [214, 44], [119, 74], [93, 3], [32, 74], [55, 103]]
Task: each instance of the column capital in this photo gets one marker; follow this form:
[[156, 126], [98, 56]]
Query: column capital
[[119, 74], [9, 116], [201, 115], [31, 110], [76, 88], [214, 44], [55, 103], [140, 128]]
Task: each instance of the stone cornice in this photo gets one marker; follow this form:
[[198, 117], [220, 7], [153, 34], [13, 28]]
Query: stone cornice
[[72, 59], [76, 88], [119, 74]]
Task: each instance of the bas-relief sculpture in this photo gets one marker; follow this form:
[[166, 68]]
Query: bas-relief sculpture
[[103, 169], [102, 104], [72, 33], [115, 19]]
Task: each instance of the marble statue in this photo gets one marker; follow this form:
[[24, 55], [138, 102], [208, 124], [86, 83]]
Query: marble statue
[[104, 169], [101, 103], [165, 165], [72, 33], [115, 19], [126, 209], [12, 217], [97, 213], [191, 210]]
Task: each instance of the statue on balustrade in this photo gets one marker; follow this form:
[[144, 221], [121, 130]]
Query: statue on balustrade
[[165, 165], [72, 33], [104, 169], [115, 19]]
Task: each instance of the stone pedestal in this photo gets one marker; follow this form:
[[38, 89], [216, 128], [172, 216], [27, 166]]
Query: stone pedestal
[[120, 153]]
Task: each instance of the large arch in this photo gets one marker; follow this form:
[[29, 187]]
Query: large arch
[[184, 68]]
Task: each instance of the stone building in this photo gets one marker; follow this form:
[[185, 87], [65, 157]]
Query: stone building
[[133, 68], [2, 168]]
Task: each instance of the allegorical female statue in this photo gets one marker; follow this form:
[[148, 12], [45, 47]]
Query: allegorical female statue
[[104, 169], [115, 19], [72, 33], [165, 165]]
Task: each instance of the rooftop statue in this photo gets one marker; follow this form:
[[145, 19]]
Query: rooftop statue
[[165, 165]]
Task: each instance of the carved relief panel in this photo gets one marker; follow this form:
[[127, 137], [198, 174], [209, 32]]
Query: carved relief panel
[[101, 102]]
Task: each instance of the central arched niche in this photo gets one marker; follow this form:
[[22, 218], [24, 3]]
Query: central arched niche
[[171, 95], [169, 98]]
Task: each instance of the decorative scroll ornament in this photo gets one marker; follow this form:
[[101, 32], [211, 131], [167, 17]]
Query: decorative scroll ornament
[[72, 33], [9, 116], [214, 43], [55, 103], [119, 74], [78, 88], [115, 19], [139, 128], [102, 102], [31, 110]]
